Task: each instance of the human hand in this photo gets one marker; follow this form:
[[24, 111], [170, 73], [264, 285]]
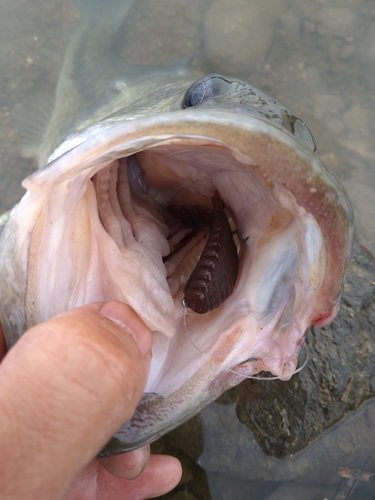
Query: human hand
[[65, 387]]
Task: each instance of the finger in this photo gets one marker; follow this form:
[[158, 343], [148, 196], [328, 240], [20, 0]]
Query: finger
[[66, 386], [128, 465], [161, 476]]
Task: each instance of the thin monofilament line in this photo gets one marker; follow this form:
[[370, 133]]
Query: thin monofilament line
[[254, 377]]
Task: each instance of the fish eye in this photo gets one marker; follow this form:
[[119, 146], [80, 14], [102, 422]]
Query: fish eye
[[204, 88]]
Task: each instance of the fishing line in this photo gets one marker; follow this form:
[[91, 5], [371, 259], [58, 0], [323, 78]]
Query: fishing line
[[185, 312], [297, 370], [304, 350], [258, 377]]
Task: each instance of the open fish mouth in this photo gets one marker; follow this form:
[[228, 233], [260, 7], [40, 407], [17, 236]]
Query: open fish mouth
[[97, 225], [148, 257]]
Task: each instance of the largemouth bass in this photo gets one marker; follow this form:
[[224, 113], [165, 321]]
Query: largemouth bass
[[122, 148]]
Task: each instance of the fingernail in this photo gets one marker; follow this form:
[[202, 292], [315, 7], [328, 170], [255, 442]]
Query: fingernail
[[124, 316], [129, 465], [138, 462]]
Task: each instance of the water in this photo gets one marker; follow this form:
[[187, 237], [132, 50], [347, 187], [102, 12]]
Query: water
[[317, 57]]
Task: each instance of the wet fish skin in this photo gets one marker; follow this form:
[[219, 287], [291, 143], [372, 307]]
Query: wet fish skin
[[245, 144]]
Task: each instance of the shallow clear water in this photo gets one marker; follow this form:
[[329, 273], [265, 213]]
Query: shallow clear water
[[315, 56]]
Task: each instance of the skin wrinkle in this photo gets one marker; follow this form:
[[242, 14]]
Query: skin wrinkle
[[110, 361], [26, 398]]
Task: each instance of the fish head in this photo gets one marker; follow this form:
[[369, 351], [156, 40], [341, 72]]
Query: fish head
[[94, 225]]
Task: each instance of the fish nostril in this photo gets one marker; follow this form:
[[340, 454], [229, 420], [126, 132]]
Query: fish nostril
[[195, 95]]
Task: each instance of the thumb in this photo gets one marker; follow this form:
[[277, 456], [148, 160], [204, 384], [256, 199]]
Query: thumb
[[65, 387]]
